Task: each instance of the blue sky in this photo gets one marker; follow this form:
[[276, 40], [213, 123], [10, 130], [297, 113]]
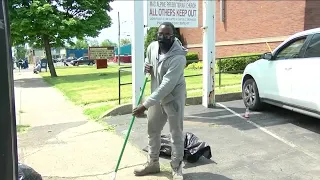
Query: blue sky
[[125, 7]]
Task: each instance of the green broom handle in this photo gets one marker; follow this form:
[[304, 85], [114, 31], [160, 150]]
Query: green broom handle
[[130, 127]]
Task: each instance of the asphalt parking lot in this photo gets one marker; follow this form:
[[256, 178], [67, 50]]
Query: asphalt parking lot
[[272, 144]]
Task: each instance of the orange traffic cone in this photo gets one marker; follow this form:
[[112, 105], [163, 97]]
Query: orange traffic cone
[[246, 114]]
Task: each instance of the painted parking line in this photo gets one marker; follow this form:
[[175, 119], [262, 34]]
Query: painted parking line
[[218, 117], [310, 154]]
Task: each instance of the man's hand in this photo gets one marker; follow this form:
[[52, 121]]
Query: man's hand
[[138, 111], [148, 68]]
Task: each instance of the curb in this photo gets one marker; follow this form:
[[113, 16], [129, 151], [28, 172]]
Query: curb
[[127, 108]]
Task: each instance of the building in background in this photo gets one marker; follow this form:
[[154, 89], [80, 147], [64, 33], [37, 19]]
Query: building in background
[[76, 53], [246, 26], [37, 54], [125, 54]]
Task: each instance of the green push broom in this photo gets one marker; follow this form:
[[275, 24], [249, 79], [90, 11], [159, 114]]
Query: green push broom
[[129, 130]]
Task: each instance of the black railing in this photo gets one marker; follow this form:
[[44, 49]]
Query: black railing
[[220, 72]]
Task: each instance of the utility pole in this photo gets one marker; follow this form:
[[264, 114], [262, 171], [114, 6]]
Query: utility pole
[[119, 38], [8, 130]]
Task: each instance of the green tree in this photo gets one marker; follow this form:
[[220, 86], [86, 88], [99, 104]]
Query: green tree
[[53, 23], [107, 42], [80, 44], [125, 41], [94, 43], [20, 52]]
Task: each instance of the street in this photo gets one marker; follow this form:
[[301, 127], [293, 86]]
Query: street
[[272, 144]]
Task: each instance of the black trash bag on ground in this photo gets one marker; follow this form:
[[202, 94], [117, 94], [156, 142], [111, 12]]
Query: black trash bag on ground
[[27, 173], [194, 148]]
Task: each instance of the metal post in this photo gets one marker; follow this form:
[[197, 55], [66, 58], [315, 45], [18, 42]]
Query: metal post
[[220, 72], [8, 132], [119, 83], [119, 39], [137, 51], [209, 9]]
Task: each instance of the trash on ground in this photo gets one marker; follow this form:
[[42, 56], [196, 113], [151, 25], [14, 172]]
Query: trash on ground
[[27, 173], [194, 148]]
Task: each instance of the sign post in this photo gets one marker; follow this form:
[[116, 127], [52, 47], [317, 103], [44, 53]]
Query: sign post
[[137, 51], [208, 95], [101, 55]]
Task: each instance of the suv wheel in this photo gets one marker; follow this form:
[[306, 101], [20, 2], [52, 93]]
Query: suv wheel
[[250, 95]]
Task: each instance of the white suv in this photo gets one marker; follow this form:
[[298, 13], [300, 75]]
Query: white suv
[[288, 77]]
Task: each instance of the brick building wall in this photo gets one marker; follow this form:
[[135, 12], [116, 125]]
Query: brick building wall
[[250, 24]]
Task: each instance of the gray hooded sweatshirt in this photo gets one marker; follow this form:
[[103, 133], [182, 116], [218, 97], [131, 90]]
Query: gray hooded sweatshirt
[[167, 76]]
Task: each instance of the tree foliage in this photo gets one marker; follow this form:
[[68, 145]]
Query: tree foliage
[[151, 36], [20, 52], [107, 42], [80, 44], [94, 43], [53, 23], [125, 41]]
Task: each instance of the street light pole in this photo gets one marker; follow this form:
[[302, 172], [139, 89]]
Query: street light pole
[[119, 39], [8, 130]]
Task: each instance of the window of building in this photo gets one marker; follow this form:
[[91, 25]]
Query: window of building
[[313, 49]]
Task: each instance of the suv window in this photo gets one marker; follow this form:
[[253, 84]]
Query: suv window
[[313, 49], [292, 50]]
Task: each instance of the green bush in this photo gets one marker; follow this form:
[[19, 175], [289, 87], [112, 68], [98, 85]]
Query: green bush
[[228, 64], [196, 65], [236, 63], [192, 57]]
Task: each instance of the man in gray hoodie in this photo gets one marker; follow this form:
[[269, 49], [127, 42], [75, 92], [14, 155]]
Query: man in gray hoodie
[[165, 61]]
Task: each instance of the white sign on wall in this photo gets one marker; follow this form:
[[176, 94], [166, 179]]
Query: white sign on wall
[[181, 13]]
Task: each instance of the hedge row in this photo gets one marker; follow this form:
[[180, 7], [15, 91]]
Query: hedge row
[[236, 63], [226, 64], [192, 57]]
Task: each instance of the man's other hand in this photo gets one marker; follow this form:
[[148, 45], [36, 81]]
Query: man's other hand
[[147, 68], [138, 111]]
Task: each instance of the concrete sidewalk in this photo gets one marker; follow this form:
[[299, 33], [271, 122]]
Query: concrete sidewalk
[[61, 143]]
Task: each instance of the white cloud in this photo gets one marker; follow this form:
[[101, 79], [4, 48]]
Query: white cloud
[[125, 8]]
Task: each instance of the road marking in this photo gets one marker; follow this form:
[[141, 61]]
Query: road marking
[[310, 154], [218, 117]]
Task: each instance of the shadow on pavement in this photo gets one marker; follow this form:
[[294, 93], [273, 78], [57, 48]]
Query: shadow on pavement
[[205, 176], [30, 83], [41, 134], [41, 82], [202, 161], [270, 116], [303, 121]]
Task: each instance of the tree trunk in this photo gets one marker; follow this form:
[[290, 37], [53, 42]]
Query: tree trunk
[[47, 48]]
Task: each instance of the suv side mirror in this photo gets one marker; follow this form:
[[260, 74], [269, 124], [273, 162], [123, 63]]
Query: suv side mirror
[[267, 56]]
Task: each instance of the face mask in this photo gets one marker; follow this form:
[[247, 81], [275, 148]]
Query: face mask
[[165, 43]]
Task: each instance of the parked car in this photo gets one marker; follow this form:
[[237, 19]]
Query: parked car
[[286, 77], [82, 61], [69, 59]]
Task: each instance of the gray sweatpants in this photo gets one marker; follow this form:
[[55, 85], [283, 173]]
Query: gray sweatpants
[[158, 115]]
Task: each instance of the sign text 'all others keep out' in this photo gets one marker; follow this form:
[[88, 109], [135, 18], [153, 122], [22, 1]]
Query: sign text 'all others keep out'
[[181, 13]]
